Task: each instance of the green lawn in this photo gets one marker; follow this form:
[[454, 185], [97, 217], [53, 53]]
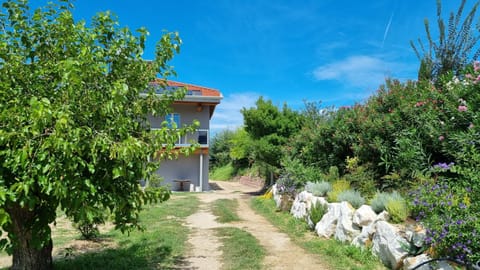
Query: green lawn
[[223, 173], [160, 246], [225, 210], [240, 249]]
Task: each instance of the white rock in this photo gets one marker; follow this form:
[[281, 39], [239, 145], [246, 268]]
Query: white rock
[[314, 199], [364, 216], [365, 237], [418, 238], [276, 197], [304, 196], [386, 245], [274, 189], [299, 209], [442, 265], [338, 222], [345, 230], [384, 215], [328, 224], [411, 262]]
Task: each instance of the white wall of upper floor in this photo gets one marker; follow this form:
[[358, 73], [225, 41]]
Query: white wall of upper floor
[[188, 113]]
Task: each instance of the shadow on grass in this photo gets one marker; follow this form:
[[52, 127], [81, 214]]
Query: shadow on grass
[[134, 257], [215, 186]]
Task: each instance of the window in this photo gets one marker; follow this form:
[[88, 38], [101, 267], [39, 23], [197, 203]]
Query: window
[[173, 120], [202, 137], [194, 93]]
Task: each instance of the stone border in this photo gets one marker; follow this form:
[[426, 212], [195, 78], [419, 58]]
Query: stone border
[[363, 228]]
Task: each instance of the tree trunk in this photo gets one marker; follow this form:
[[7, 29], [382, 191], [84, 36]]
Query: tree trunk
[[25, 254], [32, 258]]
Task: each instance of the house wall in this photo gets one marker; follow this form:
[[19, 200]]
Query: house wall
[[185, 167], [188, 113]]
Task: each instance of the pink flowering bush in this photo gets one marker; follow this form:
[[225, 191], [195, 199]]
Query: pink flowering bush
[[412, 136]]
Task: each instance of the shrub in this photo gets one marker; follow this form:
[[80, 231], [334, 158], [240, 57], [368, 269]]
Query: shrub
[[286, 185], [380, 200], [398, 210], [361, 177], [319, 188], [89, 229], [316, 212], [299, 172], [333, 174], [351, 196], [450, 217], [338, 187]]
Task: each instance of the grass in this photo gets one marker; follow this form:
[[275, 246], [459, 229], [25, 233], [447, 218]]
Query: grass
[[329, 250], [225, 210], [240, 249], [223, 173], [160, 246]]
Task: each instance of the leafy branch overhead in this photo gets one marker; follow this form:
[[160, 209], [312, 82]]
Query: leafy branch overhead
[[74, 100], [456, 43]]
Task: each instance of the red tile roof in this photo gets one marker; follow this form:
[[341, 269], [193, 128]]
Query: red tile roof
[[207, 92]]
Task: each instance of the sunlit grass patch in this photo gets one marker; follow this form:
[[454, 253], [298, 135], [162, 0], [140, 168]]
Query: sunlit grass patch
[[225, 210], [241, 250]]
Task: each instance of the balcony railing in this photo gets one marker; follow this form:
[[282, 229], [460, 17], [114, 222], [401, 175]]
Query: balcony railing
[[200, 136]]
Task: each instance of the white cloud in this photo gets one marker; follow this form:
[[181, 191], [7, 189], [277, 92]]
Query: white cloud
[[227, 114], [360, 71]]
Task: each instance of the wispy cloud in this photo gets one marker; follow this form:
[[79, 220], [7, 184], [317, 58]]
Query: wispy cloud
[[227, 114], [359, 71]]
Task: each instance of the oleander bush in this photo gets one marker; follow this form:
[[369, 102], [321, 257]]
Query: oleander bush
[[352, 196], [319, 188]]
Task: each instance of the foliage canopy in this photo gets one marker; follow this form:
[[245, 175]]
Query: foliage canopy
[[73, 131]]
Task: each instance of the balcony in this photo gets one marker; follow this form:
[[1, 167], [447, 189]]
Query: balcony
[[200, 136]]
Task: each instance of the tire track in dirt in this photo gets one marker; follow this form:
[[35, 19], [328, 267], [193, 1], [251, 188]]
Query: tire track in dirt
[[205, 253]]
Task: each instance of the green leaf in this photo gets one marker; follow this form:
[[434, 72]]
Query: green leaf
[[117, 172]]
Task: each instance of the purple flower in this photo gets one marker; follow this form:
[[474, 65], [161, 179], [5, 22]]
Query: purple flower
[[443, 165], [462, 108]]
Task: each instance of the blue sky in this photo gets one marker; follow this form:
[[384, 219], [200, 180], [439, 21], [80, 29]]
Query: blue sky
[[334, 51]]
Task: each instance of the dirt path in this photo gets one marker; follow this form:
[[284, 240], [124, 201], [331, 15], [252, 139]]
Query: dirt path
[[282, 253]]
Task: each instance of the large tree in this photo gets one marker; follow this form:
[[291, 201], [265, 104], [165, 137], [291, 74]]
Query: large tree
[[270, 127], [73, 130]]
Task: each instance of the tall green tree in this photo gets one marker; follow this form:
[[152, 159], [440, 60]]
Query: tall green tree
[[220, 148], [456, 44], [73, 128], [269, 128]]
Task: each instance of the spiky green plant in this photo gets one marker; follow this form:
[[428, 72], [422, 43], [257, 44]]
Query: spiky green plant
[[451, 50]]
